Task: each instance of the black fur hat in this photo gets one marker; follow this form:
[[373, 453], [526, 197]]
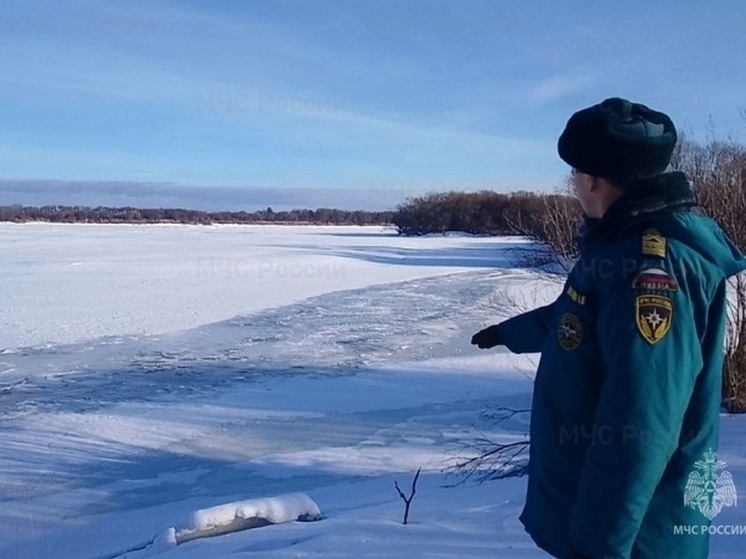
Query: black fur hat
[[618, 140]]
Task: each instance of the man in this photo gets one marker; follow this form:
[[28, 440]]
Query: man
[[627, 394]]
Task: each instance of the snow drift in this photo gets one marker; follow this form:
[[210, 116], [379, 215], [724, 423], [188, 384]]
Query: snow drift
[[243, 515]]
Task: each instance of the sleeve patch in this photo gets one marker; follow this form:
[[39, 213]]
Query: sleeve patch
[[570, 333], [653, 316]]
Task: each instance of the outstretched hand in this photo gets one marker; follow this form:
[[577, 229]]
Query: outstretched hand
[[487, 338]]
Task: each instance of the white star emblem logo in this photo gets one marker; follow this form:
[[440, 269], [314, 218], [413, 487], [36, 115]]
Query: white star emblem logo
[[654, 319]]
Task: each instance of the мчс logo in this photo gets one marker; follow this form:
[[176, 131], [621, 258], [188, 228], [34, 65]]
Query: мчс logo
[[709, 490], [570, 332]]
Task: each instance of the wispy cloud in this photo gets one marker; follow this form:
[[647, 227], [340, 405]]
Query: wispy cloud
[[559, 87]]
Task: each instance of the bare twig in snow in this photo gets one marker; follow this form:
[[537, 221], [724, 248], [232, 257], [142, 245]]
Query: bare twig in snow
[[408, 500]]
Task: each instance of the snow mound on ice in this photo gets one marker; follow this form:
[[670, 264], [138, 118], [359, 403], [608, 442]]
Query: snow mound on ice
[[242, 515]]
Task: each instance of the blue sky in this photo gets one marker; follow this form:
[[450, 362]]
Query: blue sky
[[350, 103]]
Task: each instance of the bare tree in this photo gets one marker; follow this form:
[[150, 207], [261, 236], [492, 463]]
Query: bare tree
[[734, 373], [554, 226], [488, 458]]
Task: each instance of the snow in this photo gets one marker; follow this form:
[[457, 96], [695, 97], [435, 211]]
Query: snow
[[148, 372], [77, 282], [273, 510]]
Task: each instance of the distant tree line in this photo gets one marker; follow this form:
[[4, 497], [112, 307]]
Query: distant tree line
[[83, 214], [552, 220], [479, 213]]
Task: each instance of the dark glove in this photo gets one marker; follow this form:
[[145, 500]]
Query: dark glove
[[489, 337]]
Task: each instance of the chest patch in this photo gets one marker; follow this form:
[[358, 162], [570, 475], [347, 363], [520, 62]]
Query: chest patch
[[653, 315], [570, 333], [654, 279]]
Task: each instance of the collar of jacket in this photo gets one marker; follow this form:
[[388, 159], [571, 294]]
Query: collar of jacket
[[667, 192]]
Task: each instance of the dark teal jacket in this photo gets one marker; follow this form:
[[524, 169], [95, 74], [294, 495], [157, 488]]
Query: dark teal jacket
[[628, 389]]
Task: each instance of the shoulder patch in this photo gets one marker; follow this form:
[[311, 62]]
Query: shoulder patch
[[654, 279], [578, 298], [570, 333], [653, 316], [653, 243]]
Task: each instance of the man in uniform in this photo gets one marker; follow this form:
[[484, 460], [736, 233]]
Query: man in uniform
[[627, 394]]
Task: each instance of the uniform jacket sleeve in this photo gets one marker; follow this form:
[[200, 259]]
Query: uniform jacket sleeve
[[526, 332], [646, 390]]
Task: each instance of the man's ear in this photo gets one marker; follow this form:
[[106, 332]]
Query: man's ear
[[594, 183]]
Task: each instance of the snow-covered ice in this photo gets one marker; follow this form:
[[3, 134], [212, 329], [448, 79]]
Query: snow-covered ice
[[147, 372]]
